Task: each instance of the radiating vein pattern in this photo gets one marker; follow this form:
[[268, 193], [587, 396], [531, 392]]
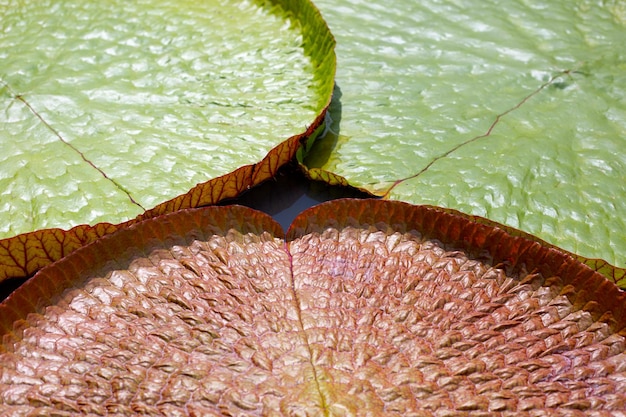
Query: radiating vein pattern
[[210, 328], [359, 320], [401, 326]]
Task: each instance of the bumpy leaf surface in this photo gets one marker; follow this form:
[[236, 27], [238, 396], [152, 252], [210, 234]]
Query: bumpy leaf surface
[[368, 308], [513, 112], [112, 111]]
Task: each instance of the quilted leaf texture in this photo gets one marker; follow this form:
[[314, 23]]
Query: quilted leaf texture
[[366, 308], [132, 111], [515, 113]]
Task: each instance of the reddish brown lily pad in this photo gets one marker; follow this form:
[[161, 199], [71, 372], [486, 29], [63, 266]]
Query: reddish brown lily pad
[[369, 308]]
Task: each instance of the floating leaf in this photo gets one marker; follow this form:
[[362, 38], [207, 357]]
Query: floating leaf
[[115, 111], [515, 113], [368, 307]]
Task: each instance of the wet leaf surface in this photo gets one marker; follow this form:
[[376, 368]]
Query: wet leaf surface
[[132, 112], [512, 113], [368, 307]]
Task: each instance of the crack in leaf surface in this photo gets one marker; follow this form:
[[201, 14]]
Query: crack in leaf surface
[[497, 120], [20, 98]]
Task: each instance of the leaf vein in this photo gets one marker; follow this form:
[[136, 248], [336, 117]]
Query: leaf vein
[[55, 132], [487, 133]]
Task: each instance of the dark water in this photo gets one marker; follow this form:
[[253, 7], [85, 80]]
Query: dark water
[[282, 197], [289, 193]]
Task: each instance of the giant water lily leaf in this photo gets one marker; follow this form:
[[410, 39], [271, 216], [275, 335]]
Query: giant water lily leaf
[[369, 307], [514, 112], [112, 110]]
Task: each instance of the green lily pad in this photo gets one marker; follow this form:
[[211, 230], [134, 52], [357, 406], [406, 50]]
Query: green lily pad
[[514, 112], [110, 108]]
